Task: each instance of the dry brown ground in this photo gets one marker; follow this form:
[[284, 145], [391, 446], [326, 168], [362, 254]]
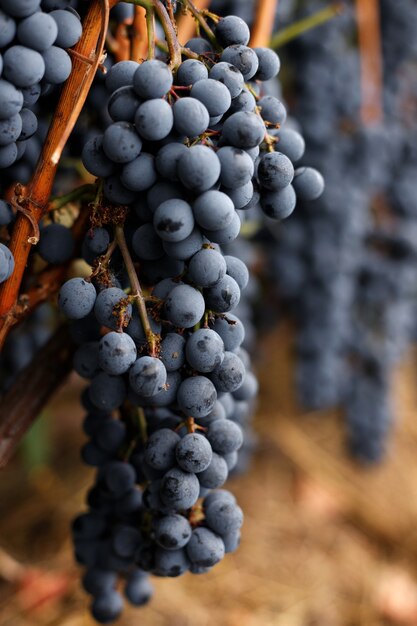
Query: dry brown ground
[[325, 543]]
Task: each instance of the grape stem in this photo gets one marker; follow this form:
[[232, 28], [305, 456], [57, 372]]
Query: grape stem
[[174, 48], [137, 293], [76, 194], [150, 27], [200, 19]]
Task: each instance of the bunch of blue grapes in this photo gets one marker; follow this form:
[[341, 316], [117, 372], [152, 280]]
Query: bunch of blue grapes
[[171, 383], [345, 265], [34, 38]]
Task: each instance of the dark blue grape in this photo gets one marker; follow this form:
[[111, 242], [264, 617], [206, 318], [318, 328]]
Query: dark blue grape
[[199, 168], [243, 58], [269, 64], [39, 31], [69, 28], [172, 352], [121, 142], [179, 489], [172, 532], [204, 350], [110, 309], [160, 449], [152, 79], [207, 267], [173, 220], [213, 94], [191, 117], [147, 376], [308, 183], [213, 210], [107, 392], [229, 375], [184, 306], [117, 352], [194, 453], [58, 65], [56, 244], [232, 30], [191, 71], [205, 548], [154, 119], [196, 396], [139, 174]]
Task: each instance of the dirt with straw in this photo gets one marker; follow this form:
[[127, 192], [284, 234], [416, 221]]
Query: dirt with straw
[[325, 542]]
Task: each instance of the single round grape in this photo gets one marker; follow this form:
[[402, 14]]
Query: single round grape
[[138, 588], [85, 360], [160, 449], [227, 234], [39, 31], [248, 389], [126, 541], [243, 58], [225, 436], [69, 28], [154, 119], [213, 94], [275, 171], [269, 64], [173, 220], [146, 243], [205, 549], [308, 183], [199, 168], [116, 192], [112, 308], [6, 263], [123, 104], [229, 375], [31, 94], [232, 30], [240, 196], [194, 453], [147, 376], [237, 270], [216, 474], [191, 71], [77, 298], [139, 174], [11, 100], [94, 159], [20, 8], [167, 159], [196, 396], [224, 296], [223, 517], [245, 101], [231, 330], [243, 130], [152, 79], [98, 581], [199, 45], [207, 267], [22, 66], [167, 395], [107, 606], [58, 65], [136, 331], [186, 248], [280, 204], [162, 191], [121, 142], [6, 213], [117, 352], [204, 350], [272, 110], [56, 244], [119, 477], [237, 167], [7, 29], [172, 531], [290, 143], [221, 496], [230, 76], [121, 75], [179, 489], [213, 210], [184, 307], [107, 392], [10, 129], [191, 117], [97, 240], [29, 124], [170, 563], [8, 155], [172, 352]]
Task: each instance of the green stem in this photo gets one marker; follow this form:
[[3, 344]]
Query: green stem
[[306, 24], [72, 196], [137, 293], [150, 27], [198, 16]]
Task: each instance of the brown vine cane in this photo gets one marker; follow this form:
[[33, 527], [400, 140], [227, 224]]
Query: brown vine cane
[[33, 199]]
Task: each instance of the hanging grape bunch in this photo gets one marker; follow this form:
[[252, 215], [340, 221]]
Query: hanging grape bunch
[[192, 144]]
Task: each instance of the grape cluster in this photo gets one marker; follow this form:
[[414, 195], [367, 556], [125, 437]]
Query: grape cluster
[[34, 37]]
